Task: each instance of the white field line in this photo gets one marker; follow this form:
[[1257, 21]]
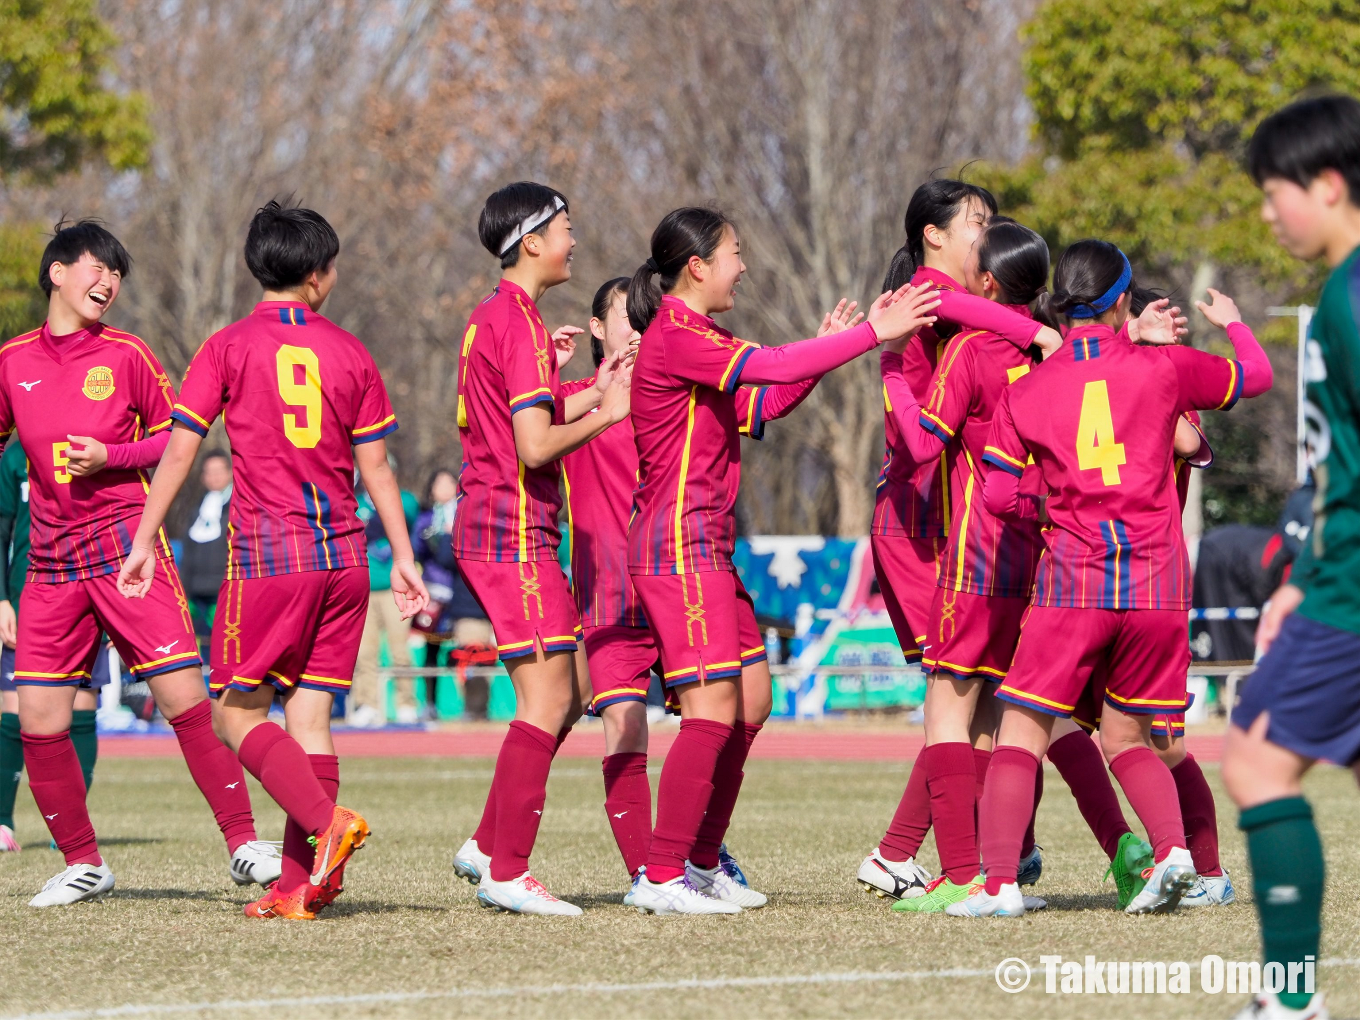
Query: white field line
[[531, 991]]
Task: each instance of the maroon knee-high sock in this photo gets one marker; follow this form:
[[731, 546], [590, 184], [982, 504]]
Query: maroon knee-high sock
[[298, 853], [1007, 807], [521, 787], [1199, 815], [58, 787], [910, 823], [628, 803], [1147, 783], [217, 773], [280, 764], [1082, 768], [981, 760], [951, 778], [727, 777], [485, 836], [682, 798], [1027, 845]]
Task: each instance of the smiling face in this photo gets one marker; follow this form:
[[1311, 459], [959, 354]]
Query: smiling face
[[83, 290], [615, 332], [718, 278], [553, 247], [948, 246]]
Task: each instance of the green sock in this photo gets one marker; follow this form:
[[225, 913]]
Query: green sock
[[1287, 876], [11, 765], [85, 738]]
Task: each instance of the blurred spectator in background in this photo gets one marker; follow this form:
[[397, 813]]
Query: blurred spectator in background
[[366, 703], [203, 561], [453, 615]]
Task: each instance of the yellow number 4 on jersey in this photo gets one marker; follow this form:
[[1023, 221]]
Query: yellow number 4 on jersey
[[1096, 448]]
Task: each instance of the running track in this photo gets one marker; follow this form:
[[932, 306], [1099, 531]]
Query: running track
[[777, 741]]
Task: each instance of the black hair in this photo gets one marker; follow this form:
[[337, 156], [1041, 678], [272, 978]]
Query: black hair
[[1017, 258], [599, 309], [1307, 137], [1085, 271], [286, 244], [217, 452], [934, 203], [429, 484], [681, 235], [507, 208], [70, 241]]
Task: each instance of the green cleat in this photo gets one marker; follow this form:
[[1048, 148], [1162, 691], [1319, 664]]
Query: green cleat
[[938, 895], [1131, 858]]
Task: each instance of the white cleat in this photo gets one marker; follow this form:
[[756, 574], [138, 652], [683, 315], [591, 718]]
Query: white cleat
[[8, 843], [523, 895], [76, 883], [979, 903], [470, 863], [1210, 891], [259, 861], [1167, 881], [628, 896], [899, 880], [678, 896], [1267, 1006], [718, 884]]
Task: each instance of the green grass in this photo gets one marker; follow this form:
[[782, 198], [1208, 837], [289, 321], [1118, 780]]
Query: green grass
[[173, 931]]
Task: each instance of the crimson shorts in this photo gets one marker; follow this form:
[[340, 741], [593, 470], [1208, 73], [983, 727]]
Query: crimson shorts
[[1171, 724], [907, 569], [703, 622], [289, 630], [526, 603], [1146, 653], [59, 627], [973, 635], [621, 661]]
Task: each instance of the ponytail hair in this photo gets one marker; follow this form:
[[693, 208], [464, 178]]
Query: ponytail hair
[[1089, 279], [599, 309], [934, 203], [681, 235], [1017, 258]]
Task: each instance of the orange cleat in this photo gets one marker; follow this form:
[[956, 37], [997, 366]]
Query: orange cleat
[[346, 834], [322, 896], [292, 907]]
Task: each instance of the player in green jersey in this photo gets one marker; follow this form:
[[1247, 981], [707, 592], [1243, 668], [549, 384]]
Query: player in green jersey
[[1303, 702]]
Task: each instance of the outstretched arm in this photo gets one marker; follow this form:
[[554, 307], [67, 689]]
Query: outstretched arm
[[134, 579], [973, 312], [922, 444]]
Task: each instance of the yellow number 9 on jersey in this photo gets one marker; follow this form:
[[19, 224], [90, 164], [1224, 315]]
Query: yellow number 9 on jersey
[[305, 394]]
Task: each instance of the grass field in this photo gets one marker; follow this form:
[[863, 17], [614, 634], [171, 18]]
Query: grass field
[[407, 940]]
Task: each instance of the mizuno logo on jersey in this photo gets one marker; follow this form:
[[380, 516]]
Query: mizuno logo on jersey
[[165, 649], [29, 385]]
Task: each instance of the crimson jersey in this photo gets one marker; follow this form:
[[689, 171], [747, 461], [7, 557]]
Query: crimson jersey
[[507, 511], [912, 500], [1099, 419], [99, 382], [296, 392], [687, 429], [984, 554]]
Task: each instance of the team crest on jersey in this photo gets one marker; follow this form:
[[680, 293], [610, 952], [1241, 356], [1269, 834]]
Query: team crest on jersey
[[98, 383]]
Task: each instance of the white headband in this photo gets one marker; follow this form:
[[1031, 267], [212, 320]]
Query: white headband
[[533, 224]]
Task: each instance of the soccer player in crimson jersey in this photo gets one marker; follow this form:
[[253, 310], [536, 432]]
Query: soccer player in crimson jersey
[[681, 537], [1099, 419], [303, 405], [93, 406], [515, 425], [619, 647]]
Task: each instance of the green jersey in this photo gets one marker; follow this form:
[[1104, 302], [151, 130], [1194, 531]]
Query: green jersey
[[14, 505], [1328, 566]]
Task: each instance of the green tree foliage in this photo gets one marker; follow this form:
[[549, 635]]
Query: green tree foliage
[[1143, 111], [22, 303], [55, 109]]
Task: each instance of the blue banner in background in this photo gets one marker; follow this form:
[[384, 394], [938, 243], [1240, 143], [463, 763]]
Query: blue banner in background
[[782, 572]]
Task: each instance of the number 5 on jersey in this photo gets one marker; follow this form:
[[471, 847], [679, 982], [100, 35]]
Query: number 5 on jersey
[[1096, 448], [305, 394]]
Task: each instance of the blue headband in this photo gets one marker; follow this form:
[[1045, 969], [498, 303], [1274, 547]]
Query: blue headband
[[1106, 301]]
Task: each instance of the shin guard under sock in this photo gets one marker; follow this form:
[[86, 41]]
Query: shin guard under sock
[[217, 773], [951, 778], [727, 777], [280, 764], [685, 788], [85, 739], [11, 765], [1007, 808], [521, 786], [628, 803], [1082, 767], [1199, 815], [1151, 791], [910, 823], [59, 790]]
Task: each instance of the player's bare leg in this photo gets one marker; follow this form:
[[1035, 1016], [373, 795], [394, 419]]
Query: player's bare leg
[[58, 787]]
